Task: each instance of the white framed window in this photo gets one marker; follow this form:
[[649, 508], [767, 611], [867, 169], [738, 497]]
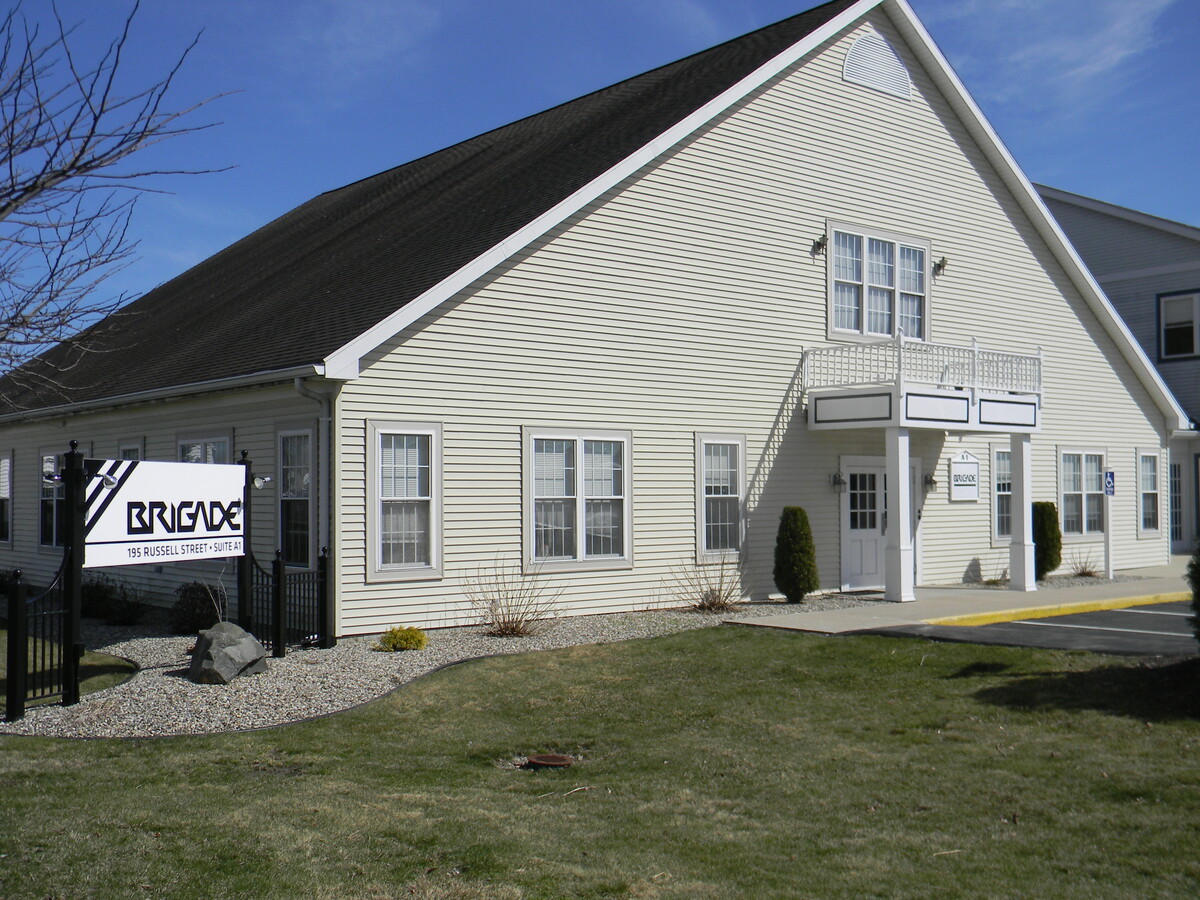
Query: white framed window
[[878, 284], [209, 450], [1002, 494], [131, 448], [1081, 480], [295, 497], [720, 494], [52, 506], [404, 526], [1148, 504], [1179, 319], [577, 499], [6, 496]]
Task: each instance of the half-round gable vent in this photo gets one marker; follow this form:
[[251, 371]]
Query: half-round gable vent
[[872, 62]]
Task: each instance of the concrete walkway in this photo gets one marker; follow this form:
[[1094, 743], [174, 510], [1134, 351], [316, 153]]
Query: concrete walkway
[[979, 606]]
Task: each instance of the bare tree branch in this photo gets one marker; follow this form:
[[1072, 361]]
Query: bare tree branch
[[65, 197]]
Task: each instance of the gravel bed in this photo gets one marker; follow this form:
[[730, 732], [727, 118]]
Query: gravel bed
[[160, 701], [1052, 583]]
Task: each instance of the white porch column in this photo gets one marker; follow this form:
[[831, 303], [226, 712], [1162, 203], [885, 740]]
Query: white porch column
[[1021, 573], [898, 559]]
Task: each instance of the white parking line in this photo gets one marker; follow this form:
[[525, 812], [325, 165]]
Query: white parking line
[[1049, 624], [1154, 612]]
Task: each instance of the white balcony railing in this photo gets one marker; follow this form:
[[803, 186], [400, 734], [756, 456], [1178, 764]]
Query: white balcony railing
[[904, 361]]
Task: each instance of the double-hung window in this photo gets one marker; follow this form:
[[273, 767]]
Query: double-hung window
[[405, 507], [1176, 471], [720, 494], [878, 284], [1148, 492], [5, 499], [1082, 479], [212, 451], [578, 490], [1002, 488], [295, 497], [52, 510], [1179, 317]]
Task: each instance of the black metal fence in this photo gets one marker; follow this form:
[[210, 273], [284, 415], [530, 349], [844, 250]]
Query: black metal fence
[[288, 607], [39, 646]]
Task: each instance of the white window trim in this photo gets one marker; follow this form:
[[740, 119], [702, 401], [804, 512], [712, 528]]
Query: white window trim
[[138, 444], [206, 438], [719, 556], [1158, 485], [579, 564], [1084, 537], [376, 571], [1162, 324], [998, 540], [312, 492], [10, 456], [837, 334]]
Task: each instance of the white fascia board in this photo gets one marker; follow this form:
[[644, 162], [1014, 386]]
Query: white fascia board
[[343, 363], [1120, 212], [1031, 203]]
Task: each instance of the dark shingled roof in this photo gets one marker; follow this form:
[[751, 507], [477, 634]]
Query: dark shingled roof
[[302, 286]]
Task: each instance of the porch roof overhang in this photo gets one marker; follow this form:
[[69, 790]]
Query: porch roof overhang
[[882, 406]]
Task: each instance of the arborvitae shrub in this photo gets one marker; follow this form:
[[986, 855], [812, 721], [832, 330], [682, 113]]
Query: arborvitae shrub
[[795, 555], [1193, 577], [1047, 539]]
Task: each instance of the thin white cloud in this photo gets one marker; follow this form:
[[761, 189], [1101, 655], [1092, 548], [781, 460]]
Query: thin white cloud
[[1062, 58]]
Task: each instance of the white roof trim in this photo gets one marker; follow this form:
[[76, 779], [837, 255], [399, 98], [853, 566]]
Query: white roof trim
[[1120, 212], [1031, 203], [344, 362]]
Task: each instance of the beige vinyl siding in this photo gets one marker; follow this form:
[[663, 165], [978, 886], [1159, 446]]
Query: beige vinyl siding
[[248, 418], [681, 302]]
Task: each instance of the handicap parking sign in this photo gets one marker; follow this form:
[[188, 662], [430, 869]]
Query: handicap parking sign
[[1110, 484]]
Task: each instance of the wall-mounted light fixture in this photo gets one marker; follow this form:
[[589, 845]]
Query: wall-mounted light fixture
[[818, 246], [837, 481], [261, 481], [940, 266], [929, 481]]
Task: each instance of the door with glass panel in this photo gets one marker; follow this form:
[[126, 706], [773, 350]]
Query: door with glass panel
[[864, 523]]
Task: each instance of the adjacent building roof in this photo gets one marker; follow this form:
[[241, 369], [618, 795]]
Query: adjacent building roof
[[311, 281]]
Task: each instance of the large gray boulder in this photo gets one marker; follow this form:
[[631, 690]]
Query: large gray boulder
[[224, 652]]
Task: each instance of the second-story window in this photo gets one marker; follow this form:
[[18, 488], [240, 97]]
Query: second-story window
[[878, 284]]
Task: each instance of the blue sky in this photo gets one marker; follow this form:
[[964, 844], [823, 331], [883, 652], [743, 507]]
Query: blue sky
[[1100, 97]]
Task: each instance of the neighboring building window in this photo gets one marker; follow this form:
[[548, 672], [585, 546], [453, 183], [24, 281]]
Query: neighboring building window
[[52, 512], [1179, 315], [1002, 486], [579, 488], [1176, 502], [295, 491], [129, 450], [878, 284], [720, 496], [1148, 490], [5, 499], [212, 451], [1082, 510]]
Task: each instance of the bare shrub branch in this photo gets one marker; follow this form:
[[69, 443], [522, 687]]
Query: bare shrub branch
[[511, 602], [712, 587]]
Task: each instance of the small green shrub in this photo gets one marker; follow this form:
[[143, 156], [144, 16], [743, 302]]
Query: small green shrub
[[795, 555], [1047, 539], [401, 639], [1193, 579], [117, 603], [199, 606]]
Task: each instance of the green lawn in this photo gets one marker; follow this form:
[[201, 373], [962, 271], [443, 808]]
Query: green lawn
[[96, 670], [730, 762]]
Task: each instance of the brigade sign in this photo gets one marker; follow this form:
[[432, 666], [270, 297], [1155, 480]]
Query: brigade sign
[[160, 512]]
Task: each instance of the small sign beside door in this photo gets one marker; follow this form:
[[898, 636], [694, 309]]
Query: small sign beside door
[[964, 478], [1110, 483]]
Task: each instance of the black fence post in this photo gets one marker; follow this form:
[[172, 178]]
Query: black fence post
[[18, 650], [325, 611], [278, 607], [245, 562], [76, 496]]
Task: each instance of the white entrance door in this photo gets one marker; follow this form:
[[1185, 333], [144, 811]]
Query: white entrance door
[[864, 521]]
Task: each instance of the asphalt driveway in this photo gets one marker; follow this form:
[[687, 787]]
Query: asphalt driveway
[[1160, 629]]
